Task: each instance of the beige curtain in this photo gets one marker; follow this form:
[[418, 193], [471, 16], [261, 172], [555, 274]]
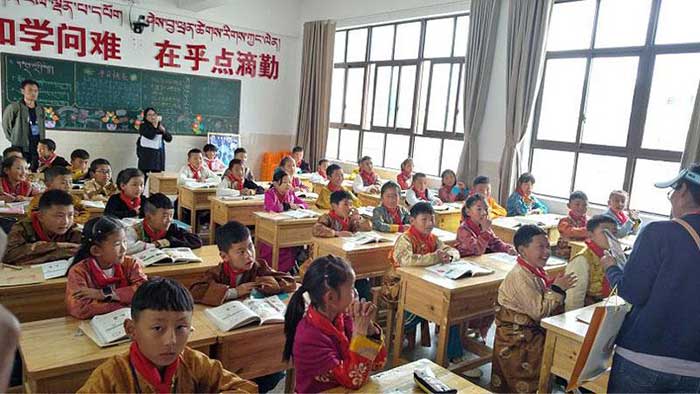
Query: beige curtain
[[528, 22], [315, 92], [691, 154], [483, 28]]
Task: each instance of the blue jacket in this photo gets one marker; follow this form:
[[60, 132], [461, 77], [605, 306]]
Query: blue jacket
[[516, 206], [660, 280], [623, 230]]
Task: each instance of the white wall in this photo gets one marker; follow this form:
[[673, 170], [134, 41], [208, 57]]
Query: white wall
[[268, 108]]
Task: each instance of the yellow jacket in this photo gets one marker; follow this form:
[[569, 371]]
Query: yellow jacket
[[81, 215], [324, 199]]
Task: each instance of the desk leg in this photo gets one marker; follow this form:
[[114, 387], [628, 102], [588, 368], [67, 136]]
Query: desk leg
[[441, 355], [212, 230], [398, 335], [547, 360], [275, 256], [179, 207], [193, 220]]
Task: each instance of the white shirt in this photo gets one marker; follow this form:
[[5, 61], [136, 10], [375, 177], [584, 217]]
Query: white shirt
[[412, 199], [206, 175], [358, 185]]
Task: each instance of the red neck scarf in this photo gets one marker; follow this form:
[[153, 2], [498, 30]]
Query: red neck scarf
[[598, 251], [471, 225], [620, 215], [526, 198], [344, 222], [148, 371], [36, 225], [22, 189], [47, 162], [333, 188], [152, 234], [101, 280], [368, 178], [579, 220], [231, 274], [429, 240], [195, 172], [237, 183], [537, 271], [421, 195], [299, 164], [322, 173], [210, 163], [133, 205], [335, 329], [395, 215]]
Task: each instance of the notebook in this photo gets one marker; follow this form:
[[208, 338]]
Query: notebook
[[54, 269]]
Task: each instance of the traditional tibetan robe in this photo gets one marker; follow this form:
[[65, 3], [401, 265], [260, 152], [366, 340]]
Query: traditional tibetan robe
[[28, 243], [330, 222]]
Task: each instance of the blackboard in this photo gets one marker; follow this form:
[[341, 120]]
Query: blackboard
[[94, 97]]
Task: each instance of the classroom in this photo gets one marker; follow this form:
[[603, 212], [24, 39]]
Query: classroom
[[305, 196]]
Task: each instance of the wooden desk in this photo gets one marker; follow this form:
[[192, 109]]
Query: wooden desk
[[369, 260], [505, 227], [565, 336], [94, 212], [162, 182], [57, 358], [370, 199], [577, 246], [46, 300], [400, 380], [194, 199], [447, 302], [449, 219], [281, 231]]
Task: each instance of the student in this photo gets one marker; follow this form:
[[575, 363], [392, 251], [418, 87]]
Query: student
[[320, 175], [475, 236], [452, 190], [335, 183], [482, 185], [235, 180], [102, 278], [47, 235], [526, 296], [418, 247], [390, 216], [60, 178], [573, 226], [195, 170], [12, 151], [405, 177], [287, 163], [46, 150], [298, 156], [522, 202], [100, 187], [128, 203], [242, 155], [626, 223], [367, 180], [9, 340], [212, 162], [159, 360], [157, 228], [15, 185], [342, 221], [336, 341], [420, 192], [592, 285], [79, 159]]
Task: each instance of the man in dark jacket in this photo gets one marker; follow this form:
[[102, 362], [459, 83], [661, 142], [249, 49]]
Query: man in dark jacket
[[23, 121]]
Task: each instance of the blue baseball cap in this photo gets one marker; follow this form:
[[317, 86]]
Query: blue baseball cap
[[685, 174]]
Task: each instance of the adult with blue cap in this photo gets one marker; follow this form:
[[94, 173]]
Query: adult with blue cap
[[658, 346]]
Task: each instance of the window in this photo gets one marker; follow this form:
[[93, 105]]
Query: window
[[618, 92], [393, 97]]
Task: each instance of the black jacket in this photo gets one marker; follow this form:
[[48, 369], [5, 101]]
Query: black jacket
[[151, 159], [116, 207]]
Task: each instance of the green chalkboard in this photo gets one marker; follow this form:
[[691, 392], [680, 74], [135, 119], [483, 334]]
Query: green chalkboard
[[94, 97]]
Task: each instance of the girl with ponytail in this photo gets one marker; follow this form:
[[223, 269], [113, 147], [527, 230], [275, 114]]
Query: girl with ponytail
[[335, 341]]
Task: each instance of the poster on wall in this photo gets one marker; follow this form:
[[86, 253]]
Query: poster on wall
[[225, 143]]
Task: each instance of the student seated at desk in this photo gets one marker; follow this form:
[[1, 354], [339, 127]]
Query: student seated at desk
[[15, 185], [302, 166], [420, 192], [522, 202], [159, 360], [335, 183], [592, 285], [367, 180], [405, 177], [335, 342], [482, 185], [390, 216], [157, 228], [235, 180], [60, 178], [11, 151], [46, 150], [573, 226], [79, 160], [100, 187], [102, 277], [47, 235], [242, 155], [320, 175], [475, 236], [128, 203], [211, 161], [452, 190], [342, 220], [287, 163], [627, 223], [526, 296], [195, 170]]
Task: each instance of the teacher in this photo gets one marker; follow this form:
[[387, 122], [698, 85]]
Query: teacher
[[23, 121], [150, 147], [658, 346]]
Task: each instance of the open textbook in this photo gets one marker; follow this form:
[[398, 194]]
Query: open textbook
[[237, 314], [108, 329], [307, 195], [94, 204], [459, 269], [365, 237], [301, 213], [506, 258], [192, 184], [166, 256]]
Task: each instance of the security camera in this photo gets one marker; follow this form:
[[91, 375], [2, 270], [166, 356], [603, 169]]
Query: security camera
[[138, 26]]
